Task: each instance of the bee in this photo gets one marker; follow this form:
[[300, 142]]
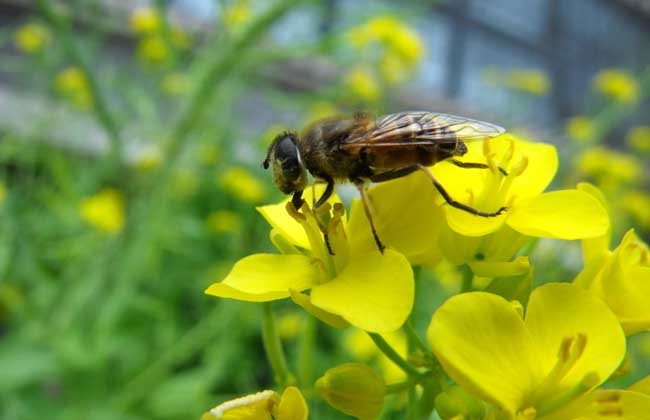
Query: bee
[[362, 149]]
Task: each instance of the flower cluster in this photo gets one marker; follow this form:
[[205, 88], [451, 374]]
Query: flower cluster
[[511, 351]]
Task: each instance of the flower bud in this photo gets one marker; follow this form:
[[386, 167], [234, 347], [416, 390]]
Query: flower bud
[[354, 389], [456, 402]]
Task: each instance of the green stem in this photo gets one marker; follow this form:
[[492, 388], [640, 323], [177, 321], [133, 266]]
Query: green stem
[[414, 338], [468, 278], [218, 70], [393, 355], [306, 352], [273, 347], [62, 26]]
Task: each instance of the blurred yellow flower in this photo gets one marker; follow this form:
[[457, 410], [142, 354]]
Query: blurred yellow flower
[[401, 49], [639, 138], [104, 210], [609, 168], [224, 221], [619, 85], [320, 110], [73, 84], [290, 325], [291, 405], [174, 84], [237, 14], [581, 129], [241, 183], [362, 84], [534, 82], [32, 37], [637, 204], [145, 21], [153, 49]]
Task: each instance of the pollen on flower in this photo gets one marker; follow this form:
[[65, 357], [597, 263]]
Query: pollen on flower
[[219, 411], [609, 403]]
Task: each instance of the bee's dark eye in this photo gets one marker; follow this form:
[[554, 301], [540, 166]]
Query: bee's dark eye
[[286, 152]]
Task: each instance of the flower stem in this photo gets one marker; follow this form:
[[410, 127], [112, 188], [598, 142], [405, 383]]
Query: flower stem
[[273, 347], [415, 339], [468, 278], [306, 352], [393, 355]]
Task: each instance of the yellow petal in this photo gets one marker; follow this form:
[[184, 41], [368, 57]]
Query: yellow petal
[[374, 292], [642, 386], [482, 343], [468, 224], [265, 277], [597, 246], [405, 215], [605, 405], [565, 214], [628, 295], [541, 168], [276, 215], [304, 301], [292, 405], [557, 311]]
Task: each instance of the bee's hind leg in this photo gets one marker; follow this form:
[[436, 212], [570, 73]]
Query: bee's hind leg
[[366, 207], [458, 204]]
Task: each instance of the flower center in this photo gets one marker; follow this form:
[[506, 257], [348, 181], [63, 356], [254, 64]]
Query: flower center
[[549, 394]]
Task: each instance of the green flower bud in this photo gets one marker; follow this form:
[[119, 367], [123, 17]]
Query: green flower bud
[[455, 401], [354, 389]]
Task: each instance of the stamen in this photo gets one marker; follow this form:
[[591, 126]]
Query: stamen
[[519, 167], [510, 151], [489, 157], [528, 413], [609, 403]]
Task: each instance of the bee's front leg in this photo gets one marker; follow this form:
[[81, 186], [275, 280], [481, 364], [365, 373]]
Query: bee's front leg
[[297, 200]]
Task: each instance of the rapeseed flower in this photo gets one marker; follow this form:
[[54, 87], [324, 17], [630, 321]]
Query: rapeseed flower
[[237, 14], [361, 83], [639, 139], [531, 81], [637, 205], [224, 221], [241, 183], [609, 169], [618, 85], [73, 84], [565, 214], [357, 285], [32, 38], [291, 405], [153, 49], [581, 129], [104, 210], [544, 365], [145, 21], [618, 277]]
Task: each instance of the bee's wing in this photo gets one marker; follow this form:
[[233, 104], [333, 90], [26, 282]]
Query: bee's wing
[[422, 128]]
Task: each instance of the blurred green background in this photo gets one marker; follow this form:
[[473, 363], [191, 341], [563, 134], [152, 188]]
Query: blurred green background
[[131, 137]]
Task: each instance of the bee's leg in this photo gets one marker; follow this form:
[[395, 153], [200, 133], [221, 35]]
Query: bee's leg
[[297, 200], [474, 165], [366, 207], [455, 203], [329, 189]]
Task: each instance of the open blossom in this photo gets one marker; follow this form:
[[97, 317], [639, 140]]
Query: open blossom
[[264, 405], [544, 365], [356, 285]]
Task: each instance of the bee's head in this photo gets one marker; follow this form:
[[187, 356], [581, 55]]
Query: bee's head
[[289, 173]]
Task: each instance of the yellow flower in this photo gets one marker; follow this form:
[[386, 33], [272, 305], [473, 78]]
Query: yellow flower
[[32, 38], [534, 367], [224, 221], [104, 210], [174, 84], [265, 405], [3, 192], [73, 84], [564, 214], [153, 49], [609, 168], [362, 84], [618, 85], [637, 204], [639, 138], [534, 82], [356, 285], [581, 129], [354, 389], [237, 14], [618, 277], [145, 21], [242, 184]]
